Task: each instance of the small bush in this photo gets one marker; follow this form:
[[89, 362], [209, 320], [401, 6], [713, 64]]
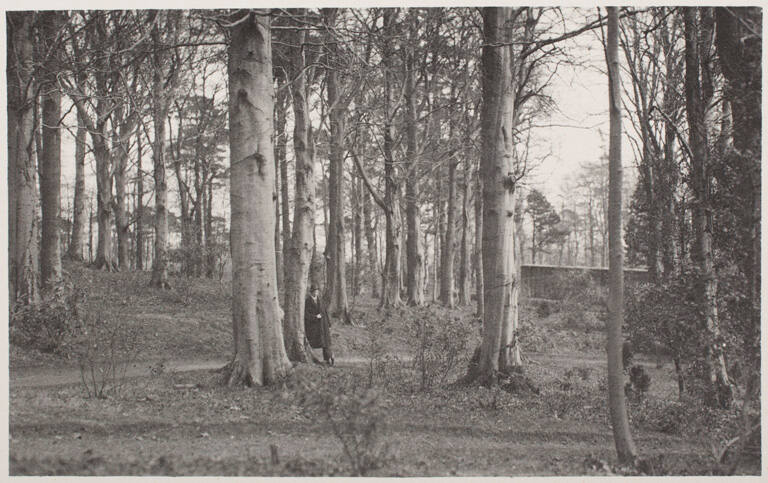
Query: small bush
[[384, 369], [48, 324], [355, 416], [105, 348], [639, 383], [439, 347]]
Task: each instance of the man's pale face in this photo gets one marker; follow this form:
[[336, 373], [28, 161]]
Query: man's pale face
[[315, 293]]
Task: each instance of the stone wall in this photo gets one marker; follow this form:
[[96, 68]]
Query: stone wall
[[541, 281]]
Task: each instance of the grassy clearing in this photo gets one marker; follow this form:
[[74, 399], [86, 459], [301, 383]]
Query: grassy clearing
[[186, 423]]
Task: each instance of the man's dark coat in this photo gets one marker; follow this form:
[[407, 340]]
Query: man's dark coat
[[317, 329]]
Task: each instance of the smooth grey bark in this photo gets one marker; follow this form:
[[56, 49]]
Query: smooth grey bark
[[23, 248], [50, 156], [259, 353], [625, 446]]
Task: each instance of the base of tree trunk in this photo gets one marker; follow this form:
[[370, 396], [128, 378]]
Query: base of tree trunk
[[161, 284], [103, 264], [73, 257], [237, 374]]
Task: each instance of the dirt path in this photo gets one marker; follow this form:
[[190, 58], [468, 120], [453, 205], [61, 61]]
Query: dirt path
[[25, 377], [22, 377]]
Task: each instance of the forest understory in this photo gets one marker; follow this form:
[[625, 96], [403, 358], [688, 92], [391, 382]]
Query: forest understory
[[390, 406]]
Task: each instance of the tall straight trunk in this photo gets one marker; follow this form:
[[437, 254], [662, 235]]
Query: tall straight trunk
[[479, 280], [439, 223], [259, 353], [299, 251], [370, 243], [498, 350], [210, 243], [90, 231], [625, 446], [336, 278], [464, 261], [391, 289], [698, 92], [449, 252], [669, 249], [282, 234], [122, 224], [105, 258], [77, 238], [160, 106], [23, 249], [415, 257], [139, 205], [50, 161], [357, 233]]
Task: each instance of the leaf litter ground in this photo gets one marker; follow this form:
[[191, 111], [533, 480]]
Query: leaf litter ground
[[165, 421]]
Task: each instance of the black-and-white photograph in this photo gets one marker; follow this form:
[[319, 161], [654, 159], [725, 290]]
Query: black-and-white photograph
[[384, 241]]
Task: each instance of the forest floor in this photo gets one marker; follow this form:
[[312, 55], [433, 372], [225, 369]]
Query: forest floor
[[369, 414]]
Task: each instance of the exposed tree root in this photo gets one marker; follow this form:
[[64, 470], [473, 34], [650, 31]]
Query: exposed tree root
[[236, 374]]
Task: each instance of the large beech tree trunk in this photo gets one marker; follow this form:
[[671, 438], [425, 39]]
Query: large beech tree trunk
[[50, 160], [698, 93], [23, 249], [498, 350], [259, 353], [625, 447], [299, 251]]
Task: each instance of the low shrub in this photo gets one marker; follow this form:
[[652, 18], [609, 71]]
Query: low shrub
[[355, 415], [439, 346], [47, 325], [105, 347]]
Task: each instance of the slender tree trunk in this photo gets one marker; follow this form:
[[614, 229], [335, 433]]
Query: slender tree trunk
[[50, 161], [23, 248], [210, 242], [439, 223], [336, 285], [357, 233], [104, 253], [139, 205], [464, 262], [299, 252], [625, 446], [370, 239], [160, 105], [121, 216], [281, 233], [415, 260], [479, 280], [259, 353], [449, 252], [392, 189], [77, 239]]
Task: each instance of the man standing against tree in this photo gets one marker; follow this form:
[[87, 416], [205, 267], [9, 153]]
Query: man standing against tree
[[317, 325]]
